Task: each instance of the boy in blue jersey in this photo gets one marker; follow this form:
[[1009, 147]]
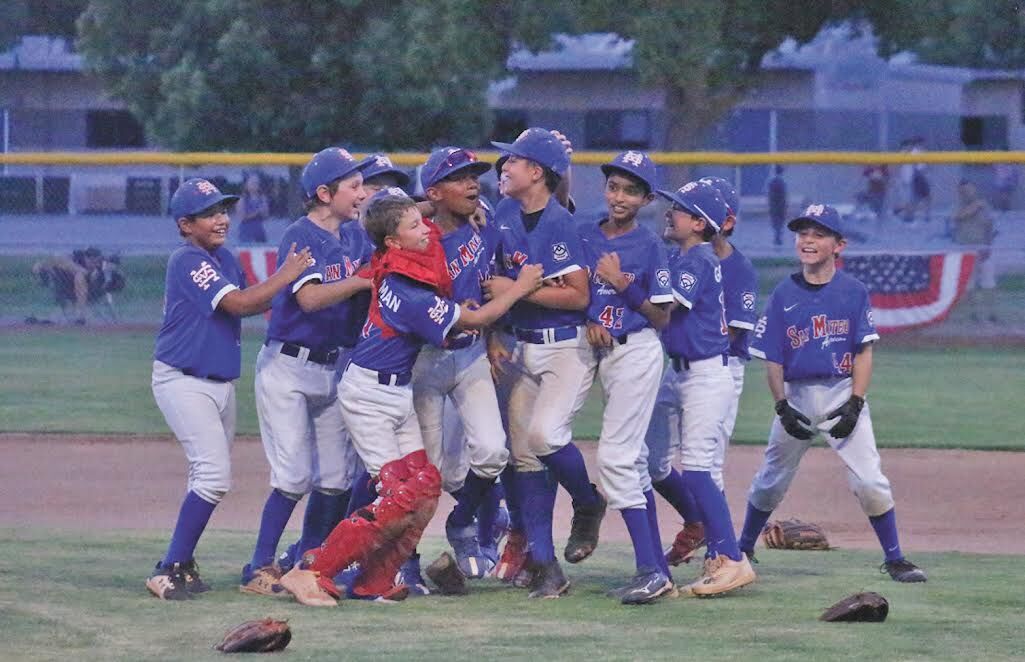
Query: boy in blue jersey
[[697, 341], [740, 291], [411, 305], [816, 337], [548, 368], [630, 291], [196, 361], [299, 366]]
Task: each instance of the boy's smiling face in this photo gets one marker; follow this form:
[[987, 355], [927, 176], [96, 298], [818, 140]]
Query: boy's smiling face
[[412, 233]]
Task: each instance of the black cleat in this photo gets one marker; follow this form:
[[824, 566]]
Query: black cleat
[[583, 534], [903, 571]]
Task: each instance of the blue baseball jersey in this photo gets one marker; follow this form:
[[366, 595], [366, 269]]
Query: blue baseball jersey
[[642, 258], [195, 336], [416, 314], [697, 329], [470, 256], [553, 243], [324, 329], [740, 292], [814, 332], [356, 243]]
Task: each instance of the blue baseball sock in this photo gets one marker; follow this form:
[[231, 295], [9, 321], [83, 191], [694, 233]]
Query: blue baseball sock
[[363, 494], [468, 498], [656, 535], [718, 524], [192, 518], [513, 500], [674, 490], [567, 465], [276, 513], [487, 511], [885, 526], [537, 492], [640, 535], [323, 512], [754, 522]]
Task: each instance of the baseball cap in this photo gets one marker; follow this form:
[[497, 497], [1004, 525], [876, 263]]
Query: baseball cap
[[326, 166], [195, 195], [448, 161], [390, 191], [726, 190], [823, 215], [637, 164], [538, 145], [702, 200], [380, 164]]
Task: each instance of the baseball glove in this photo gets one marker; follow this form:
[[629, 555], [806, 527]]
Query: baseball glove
[[860, 607], [266, 635], [794, 534], [445, 573]]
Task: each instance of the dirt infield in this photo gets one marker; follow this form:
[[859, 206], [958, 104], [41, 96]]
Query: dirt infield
[[946, 500]]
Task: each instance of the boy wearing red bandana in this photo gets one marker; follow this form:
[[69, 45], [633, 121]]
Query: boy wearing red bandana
[[410, 305]]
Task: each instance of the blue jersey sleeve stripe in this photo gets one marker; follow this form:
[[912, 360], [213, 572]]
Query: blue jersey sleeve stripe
[[684, 301], [562, 272], [740, 324], [661, 298], [758, 353], [869, 338], [457, 311], [221, 294], [302, 281]]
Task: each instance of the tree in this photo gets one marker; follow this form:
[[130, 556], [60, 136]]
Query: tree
[[295, 76]]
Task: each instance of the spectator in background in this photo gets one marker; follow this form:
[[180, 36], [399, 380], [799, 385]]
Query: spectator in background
[[253, 209], [916, 191], [1005, 181], [84, 278], [777, 195], [973, 226], [877, 181]]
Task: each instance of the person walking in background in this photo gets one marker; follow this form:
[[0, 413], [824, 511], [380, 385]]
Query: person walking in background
[[777, 195], [877, 181], [973, 226], [254, 209], [1005, 181]]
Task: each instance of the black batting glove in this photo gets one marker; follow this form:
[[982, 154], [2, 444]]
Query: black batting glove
[[848, 413], [792, 420]]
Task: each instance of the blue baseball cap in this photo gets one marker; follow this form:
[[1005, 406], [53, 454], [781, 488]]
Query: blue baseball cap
[[380, 164], [538, 145], [195, 195], [634, 163], [823, 215], [700, 199], [389, 191], [447, 161], [326, 166], [726, 190]]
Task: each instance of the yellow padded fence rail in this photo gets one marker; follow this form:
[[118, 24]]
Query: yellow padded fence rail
[[579, 158]]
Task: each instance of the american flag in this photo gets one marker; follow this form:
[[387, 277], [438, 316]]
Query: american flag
[[911, 289]]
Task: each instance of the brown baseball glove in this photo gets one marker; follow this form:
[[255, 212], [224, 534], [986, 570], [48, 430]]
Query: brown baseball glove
[[266, 635], [794, 534], [860, 607], [447, 576]]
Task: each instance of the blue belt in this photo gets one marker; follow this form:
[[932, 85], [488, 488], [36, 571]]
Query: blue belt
[[394, 378], [680, 363], [545, 336], [323, 358]]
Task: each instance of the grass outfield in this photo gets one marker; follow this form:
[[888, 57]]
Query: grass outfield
[[75, 380], [82, 597]]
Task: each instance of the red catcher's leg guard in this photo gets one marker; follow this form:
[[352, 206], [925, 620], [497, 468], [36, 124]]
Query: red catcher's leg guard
[[352, 540], [392, 475], [416, 461], [378, 577]]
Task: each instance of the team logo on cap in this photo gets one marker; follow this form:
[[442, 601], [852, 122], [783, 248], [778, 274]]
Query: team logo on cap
[[749, 300], [523, 134], [383, 162], [688, 187], [560, 252], [205, 187], [687, 280], [344, 153], [395, 190], [662, 276], [815, 210], [633, 158]]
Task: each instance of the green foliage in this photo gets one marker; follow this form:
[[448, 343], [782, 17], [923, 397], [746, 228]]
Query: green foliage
[[68, 595]]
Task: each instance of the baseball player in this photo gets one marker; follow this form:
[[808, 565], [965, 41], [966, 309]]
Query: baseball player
[[411, 305], [549, 366], [701, 387], [300, 364], [380, 173], [630, 290], [460, 370], [816, 337], [740, 291], [196, 362]]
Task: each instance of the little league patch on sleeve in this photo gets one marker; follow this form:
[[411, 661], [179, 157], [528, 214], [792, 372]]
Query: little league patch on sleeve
[[662, 276], [560, 252], [749, 300], [687, 280]]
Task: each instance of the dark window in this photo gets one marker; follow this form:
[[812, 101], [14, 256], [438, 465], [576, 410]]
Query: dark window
[[984, 132], [508, 124], [113, 128], [617, 129], [971, 131]]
